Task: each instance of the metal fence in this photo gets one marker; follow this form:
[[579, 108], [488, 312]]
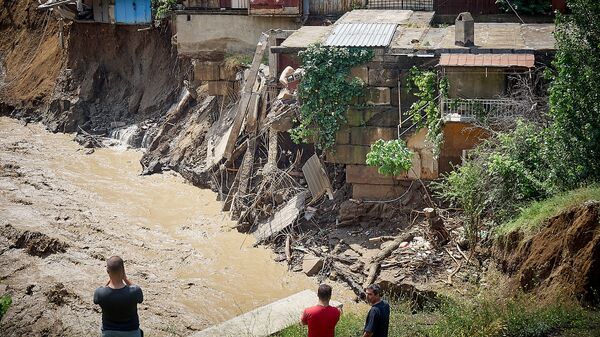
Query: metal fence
[[473, 109], [416, 5]]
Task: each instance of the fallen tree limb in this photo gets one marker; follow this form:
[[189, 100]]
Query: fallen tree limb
[[375, 264]]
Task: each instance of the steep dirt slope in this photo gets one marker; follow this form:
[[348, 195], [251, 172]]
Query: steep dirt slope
[[104, 74], [114, 74], [30, 56], [562, 260]]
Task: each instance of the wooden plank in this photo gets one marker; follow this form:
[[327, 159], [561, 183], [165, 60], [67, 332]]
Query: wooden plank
[[283, 218], [246, 95], [266, 320], [317, 179], [245, 177]]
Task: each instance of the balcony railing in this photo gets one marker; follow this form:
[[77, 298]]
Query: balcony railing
[[465, 110]]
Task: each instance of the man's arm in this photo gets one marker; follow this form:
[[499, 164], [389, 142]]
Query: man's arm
[[304, 318], [370, 325]]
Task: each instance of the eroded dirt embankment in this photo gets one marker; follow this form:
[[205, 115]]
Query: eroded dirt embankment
[[561, 261], [104, 74]]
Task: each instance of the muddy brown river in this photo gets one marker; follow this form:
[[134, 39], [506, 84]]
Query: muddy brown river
[[195, 271]]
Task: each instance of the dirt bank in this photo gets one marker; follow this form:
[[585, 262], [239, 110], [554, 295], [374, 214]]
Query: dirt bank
[[63, 212], [30, 55], [104, 75], [561, 261]]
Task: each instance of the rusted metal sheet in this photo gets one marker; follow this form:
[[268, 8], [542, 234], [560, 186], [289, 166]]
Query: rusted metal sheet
[[316, 177], [275, 7], [330, 7], [361, 35], [283, 218]]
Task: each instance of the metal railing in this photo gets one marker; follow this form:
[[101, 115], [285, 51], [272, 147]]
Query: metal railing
[[416, 5], [478, 108]]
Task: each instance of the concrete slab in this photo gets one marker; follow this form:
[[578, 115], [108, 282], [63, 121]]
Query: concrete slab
[[264, 321], [387, 16], [306, 36]]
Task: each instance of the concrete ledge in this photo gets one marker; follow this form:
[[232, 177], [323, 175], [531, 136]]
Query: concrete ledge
[[363, 174], [377, 192], [266, 320]]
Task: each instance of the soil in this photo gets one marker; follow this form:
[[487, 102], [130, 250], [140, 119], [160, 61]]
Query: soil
[[561, 261], [103, 76]]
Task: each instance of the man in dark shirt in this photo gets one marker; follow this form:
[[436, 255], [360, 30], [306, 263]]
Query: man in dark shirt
[[118, 300], [378, 319]]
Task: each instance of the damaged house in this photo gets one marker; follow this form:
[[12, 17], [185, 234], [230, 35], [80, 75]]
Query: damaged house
[[479, 61]]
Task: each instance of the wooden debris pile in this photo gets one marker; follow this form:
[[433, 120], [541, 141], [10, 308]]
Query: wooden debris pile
[[258, 170]]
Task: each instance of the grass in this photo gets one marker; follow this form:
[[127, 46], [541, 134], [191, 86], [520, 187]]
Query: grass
[[5, 302], [351, 324], [521, 316], [531, 218]]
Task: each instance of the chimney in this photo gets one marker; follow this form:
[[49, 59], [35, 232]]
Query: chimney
[[464, 30]]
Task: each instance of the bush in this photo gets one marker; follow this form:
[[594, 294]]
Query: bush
[[392, 157], [501, 175]]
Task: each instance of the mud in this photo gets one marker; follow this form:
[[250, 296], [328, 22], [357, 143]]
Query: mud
[[83, 208], [561, 261]]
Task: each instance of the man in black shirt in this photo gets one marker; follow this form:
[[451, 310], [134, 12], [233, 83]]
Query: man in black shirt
[[378, 319], [118, 300]]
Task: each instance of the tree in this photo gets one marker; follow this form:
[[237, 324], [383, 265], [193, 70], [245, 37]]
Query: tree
[[575, 95]]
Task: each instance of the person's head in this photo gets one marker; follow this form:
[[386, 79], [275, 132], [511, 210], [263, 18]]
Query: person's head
[[373, 293], [115, 267], [324, 292]]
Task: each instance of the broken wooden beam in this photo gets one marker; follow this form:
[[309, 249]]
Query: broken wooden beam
[[236, 126]]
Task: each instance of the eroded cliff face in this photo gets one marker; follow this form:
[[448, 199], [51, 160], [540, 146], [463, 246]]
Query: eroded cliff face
[[114, 75], [562, 260], [105, 75]]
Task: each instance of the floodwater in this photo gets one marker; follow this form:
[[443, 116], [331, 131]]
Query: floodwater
[[235, 277]]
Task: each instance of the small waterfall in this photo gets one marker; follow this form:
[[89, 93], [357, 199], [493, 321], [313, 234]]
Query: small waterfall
[[127, 135]]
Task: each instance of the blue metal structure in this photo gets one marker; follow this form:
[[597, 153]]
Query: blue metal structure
[[133, 12]]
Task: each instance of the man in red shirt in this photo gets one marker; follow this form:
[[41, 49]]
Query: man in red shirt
[[322, 318]]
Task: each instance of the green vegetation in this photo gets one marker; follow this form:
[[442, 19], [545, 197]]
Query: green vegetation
[[533, 162], [502, 174], [162, 7], [5, 302], [429, 90], [325, 92], [575, 95], [521, 316], [532, 217], [515, 317], [528, 7], [392, 157]]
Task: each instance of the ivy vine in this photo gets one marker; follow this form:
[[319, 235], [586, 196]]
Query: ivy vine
[[425, 112], [326, 91], [163, 7], [392, 157]]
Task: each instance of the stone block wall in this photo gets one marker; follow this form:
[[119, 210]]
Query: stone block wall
[[377, 117], [221, 80]]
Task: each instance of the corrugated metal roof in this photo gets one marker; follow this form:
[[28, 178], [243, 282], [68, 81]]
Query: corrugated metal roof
[[487, 60], [361, 35]]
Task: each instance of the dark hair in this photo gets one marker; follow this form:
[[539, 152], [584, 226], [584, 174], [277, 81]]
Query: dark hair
[[376, 289], [324, 292], [114, 264]]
